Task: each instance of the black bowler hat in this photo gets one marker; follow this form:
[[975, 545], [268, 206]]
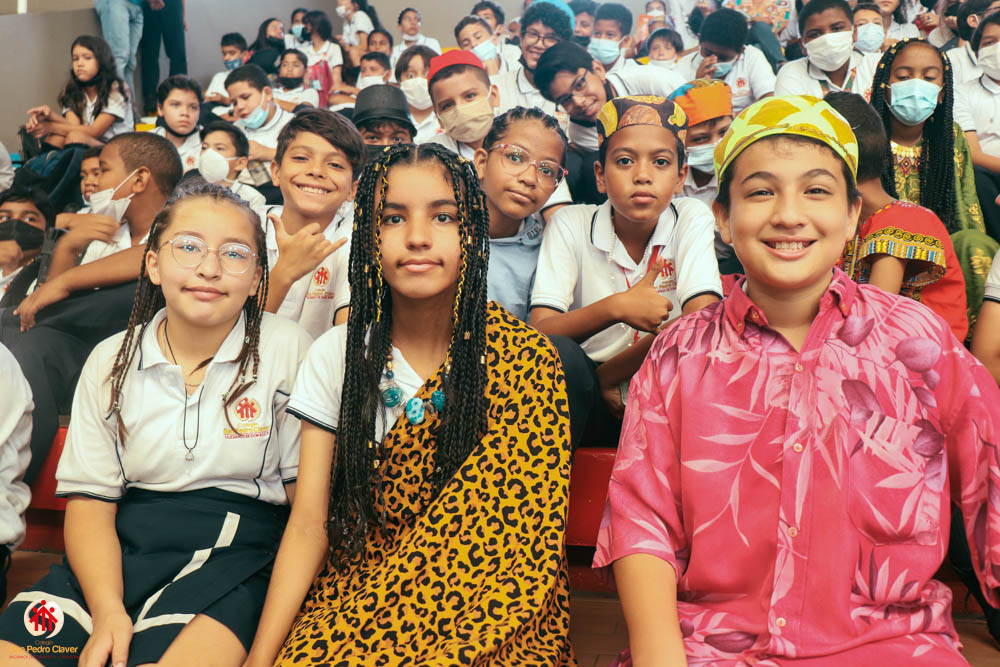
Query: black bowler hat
[[382, 102]]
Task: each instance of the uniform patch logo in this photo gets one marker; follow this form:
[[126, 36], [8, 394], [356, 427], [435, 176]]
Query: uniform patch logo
[[43, 619], [248, 425], [247, 409], [741, 82], [667, 280], [321, 277]]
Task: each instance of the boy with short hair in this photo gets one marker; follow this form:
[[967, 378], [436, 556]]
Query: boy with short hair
[[664, 47], [231, 145], [90, 174], [382, 117], [724, 54], [584, 11], [609, 274], [317, 163], [612, 37], [570, 77], [965, 64], [291, 75], [25, 215], [256, 113], [234, 49], [411, 73], [473, 34], [178, 105], [374, 70], [790, 453]]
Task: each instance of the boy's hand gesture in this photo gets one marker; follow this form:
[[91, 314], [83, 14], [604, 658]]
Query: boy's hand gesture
[[706, 70], [641, 306], [300, 253], [86, 227]]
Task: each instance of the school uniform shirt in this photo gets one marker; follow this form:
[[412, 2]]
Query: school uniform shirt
[[252, 196], [993, 281], [6, 278], [190, 150], [267, 134], [15, 452], [977, 107], [117, 106], [421, 40], [624, 64], [902, 30], [427, 129], [122, 240], [517, 91], [640, 80], [360, 22], [802, 495], [513, 260], [300, 95], [254, 452], [581, 261], [964, 66], [314, 299], [706, 194], [800, 77], [218, 84], [750, 79], [320, 383], [329, 51]]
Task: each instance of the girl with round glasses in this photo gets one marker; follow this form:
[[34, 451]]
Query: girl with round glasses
[[180, 460]]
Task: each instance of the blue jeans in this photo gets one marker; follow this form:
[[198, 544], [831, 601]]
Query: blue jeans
[[121, 23]]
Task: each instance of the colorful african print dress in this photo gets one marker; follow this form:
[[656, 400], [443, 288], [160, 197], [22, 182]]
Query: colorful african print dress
[[476, 575]]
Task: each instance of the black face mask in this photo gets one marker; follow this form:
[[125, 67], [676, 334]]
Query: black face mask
[[582, 40], [162, 123], [290, 82], [307, 35], [276, 43], [25, 235]]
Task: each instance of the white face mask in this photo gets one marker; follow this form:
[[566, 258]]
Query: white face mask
[[701, 157], [989, 60], [665, 64], [830, 51], [365, 81], [342, 11], [104, 203], [417, 95], [213, 166]]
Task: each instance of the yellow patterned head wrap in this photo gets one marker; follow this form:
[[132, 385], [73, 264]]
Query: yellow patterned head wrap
[[622, 112], [801, 115]]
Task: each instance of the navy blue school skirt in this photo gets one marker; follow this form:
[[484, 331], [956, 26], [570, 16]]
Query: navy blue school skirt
[[183, 554]]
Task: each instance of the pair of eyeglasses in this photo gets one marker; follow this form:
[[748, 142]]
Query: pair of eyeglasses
[[532, 37], [515, 161], [577, 91], [190, 251]]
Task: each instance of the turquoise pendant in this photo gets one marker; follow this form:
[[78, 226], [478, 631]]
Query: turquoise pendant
[[415, 411], [437, 400], [391, 395]]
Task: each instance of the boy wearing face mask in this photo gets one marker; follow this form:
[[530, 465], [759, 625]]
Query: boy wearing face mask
[[473, 34], [411, 72], [708, 105], [292, 93], [178, 105], [869, 31], [24, 217], [611, 38], [373, 71], [723, 54], [831, 63], [234, 48], [224, 153], [256, 113]]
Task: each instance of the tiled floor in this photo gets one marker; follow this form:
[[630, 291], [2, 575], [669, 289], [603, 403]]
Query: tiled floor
[[597, 627]]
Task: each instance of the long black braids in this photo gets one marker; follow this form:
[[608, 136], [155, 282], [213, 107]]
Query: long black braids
[[356, 477], [937, 152], [149, 300]]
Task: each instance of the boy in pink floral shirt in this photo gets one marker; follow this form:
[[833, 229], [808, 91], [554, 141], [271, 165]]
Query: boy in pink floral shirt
[[788, 457]]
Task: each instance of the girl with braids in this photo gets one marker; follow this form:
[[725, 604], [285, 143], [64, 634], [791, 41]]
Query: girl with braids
[[435, 451], [180, 459], [95, 103], [519, 165], [928, 160]]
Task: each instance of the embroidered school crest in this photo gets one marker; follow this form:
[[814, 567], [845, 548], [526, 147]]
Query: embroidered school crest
[[247, 409], [667, 280], [741, 82], [247, 424], [43, 619], [321, 277]]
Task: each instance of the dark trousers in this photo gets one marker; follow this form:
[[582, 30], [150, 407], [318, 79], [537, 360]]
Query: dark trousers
[[987, 189], [960, 558], [589, 417], [165, 24], [52, 353]]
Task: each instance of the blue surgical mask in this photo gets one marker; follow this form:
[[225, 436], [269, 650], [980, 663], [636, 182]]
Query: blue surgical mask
[[604, 51], [913, 101], [701, 157], [232, 64], [722, 69], [870, 37], [256, 118], [297, 30], [485, 50]]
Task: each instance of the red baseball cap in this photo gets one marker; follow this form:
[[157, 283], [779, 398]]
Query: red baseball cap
[[453, 57]]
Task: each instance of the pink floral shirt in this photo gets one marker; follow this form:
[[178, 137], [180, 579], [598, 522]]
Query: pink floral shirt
[[803, 497]]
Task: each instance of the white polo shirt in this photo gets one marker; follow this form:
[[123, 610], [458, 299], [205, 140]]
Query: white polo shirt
[[993, 281], [512, 54], [964, 65], [800, 77], [190, 150], [254, 453], [902, 30], [118, 106], [329, 51], [582, 261], [421, 40], [267, 134], [623, 64], [750, 79], [122, 240], [15, 452], [427, 129], [314, 299], [706, 194], [640, 80], [977, 109], [517, 91], [359, 22], [218, 84], [252, 196], [296, 96], [320, 383]]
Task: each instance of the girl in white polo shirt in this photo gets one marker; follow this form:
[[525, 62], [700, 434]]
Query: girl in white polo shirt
[[179, 461]]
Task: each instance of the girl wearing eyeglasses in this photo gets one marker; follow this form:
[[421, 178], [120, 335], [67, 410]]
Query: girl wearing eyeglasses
[[519, 166], [180, 461]]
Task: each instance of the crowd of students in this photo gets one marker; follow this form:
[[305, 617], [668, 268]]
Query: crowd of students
[[330, 332]]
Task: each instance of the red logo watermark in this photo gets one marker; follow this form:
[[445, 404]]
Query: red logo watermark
[[247, 409], [43, 619]]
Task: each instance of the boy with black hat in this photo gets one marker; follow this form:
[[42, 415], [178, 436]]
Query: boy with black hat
[[382, 116]]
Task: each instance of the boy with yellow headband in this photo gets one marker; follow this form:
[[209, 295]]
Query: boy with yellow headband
[[788, 455]]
